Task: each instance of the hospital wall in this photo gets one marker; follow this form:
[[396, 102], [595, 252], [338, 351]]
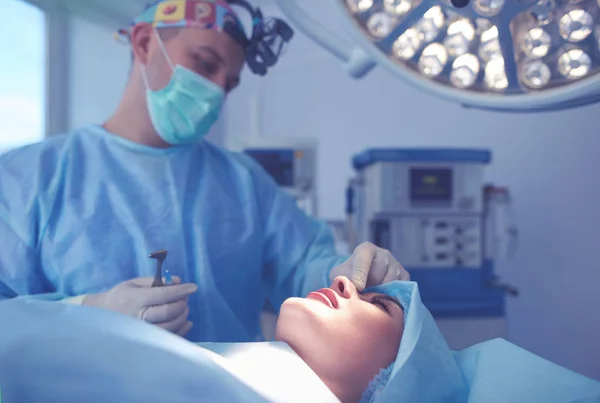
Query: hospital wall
[[550, 162]]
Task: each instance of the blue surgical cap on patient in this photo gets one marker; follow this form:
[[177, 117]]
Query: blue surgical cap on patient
[[424, 364], [427, 371], [376, 385]]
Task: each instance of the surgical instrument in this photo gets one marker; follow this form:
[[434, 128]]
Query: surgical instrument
[[160, 256]]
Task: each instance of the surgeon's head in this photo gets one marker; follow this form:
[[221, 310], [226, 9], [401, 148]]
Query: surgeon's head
[[189, 34], [210, 54], [185, 62], [344, 336]]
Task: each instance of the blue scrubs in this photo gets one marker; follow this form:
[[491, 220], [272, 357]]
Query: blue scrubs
[[80, 212]]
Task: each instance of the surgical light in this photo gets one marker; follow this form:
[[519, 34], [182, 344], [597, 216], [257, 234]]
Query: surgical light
[[526, 55]]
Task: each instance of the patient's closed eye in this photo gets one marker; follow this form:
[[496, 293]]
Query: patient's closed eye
[[381, 302]]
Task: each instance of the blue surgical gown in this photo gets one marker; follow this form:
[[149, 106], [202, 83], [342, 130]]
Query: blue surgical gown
[[80, 213]]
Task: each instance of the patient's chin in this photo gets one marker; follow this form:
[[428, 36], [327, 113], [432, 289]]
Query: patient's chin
[[289, 314], [296, 323], [297, 308]]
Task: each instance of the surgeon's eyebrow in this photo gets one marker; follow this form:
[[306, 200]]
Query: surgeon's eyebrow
[[211, 51]]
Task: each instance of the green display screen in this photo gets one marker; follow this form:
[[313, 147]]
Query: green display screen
[[431, 184]]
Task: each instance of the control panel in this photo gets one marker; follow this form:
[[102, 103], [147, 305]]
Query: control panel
[[431, 242]]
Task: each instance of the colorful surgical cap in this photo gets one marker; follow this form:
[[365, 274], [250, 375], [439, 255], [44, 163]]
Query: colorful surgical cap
[[203, 14]]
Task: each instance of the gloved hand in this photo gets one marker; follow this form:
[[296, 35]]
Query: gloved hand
[[369, 266], [166, 307]]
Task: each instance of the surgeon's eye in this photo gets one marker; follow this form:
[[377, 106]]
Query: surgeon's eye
[[205, 66], [382, 303]]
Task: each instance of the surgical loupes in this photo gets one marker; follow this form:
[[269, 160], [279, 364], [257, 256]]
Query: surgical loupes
[[160, 256]]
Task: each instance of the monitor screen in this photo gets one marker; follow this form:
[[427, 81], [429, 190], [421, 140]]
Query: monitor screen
[[278, 163], [431, 184]]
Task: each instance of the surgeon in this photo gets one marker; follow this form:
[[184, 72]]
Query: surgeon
[[80, 212]]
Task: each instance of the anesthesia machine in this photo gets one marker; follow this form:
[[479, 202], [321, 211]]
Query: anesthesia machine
[[431, 208], [291, 162]]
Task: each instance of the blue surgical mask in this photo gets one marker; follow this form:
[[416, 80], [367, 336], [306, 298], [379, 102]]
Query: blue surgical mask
[[184, 111]]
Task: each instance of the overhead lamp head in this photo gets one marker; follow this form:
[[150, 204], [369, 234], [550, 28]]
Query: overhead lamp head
[[528, 55]]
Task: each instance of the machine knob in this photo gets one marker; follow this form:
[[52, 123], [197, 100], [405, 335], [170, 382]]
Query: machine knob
[[441, 240]]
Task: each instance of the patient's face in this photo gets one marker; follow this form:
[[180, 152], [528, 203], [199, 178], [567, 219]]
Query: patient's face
[[342, 334]]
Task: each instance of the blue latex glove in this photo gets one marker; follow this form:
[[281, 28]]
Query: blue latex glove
[[369, 266], [166, 307]]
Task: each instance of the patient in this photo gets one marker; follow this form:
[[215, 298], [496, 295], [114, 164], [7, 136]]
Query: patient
[[350, 341], [345, 337]]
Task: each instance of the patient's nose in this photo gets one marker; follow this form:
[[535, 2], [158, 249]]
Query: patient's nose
[[344, 287]]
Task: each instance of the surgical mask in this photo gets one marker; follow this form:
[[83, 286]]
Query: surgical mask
[[184, 111]]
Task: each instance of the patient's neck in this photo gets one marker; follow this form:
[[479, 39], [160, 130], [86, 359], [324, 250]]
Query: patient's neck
[[348, 389], [345, 392]]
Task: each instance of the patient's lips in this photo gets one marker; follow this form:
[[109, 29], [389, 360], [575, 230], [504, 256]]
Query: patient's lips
[[325, 295]]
